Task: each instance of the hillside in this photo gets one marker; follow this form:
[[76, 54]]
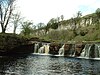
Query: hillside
[[82, 28]]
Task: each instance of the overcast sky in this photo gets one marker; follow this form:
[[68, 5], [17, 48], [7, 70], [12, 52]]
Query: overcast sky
[[44, 10]]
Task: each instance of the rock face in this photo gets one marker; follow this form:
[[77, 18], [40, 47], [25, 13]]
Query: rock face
[[78, 49], [92, 51], [87, 20], [11, 44], [69, 49], [54, 48], [14, 44]]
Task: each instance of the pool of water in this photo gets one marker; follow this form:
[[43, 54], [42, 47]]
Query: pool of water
[[48, 65]]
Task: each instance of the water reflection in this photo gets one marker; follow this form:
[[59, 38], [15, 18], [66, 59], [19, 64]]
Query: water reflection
[[47, 65]]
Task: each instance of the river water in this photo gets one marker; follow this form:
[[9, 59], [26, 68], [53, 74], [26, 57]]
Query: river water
[[48, 65]]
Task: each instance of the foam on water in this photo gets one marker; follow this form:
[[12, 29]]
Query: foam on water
[[66, 56]]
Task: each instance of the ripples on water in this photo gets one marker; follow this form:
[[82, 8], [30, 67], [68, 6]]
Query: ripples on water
[[48, 65]]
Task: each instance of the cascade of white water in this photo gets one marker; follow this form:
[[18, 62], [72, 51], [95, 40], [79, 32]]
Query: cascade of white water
[[61, 50], [97, 50], [86, 51], [73, 54], [41, 49], [91, 50], [36, 47], [46, 48]]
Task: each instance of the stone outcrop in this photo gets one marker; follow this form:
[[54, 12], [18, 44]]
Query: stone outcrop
[[14, 44], [78, 49], [87, 20], [69, 49], [54, 48], [11, 44]]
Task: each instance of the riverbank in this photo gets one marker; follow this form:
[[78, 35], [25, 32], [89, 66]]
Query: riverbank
[[14, 44], [11, 44]]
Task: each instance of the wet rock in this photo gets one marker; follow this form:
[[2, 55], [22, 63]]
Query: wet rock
[[78, 49], [67, 49], [54, 48]]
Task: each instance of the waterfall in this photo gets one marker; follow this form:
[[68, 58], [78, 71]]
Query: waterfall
[[91, 51], [46, 48], [41, 49], [97, 51], [36, 47], [85, 51], [61, 50], [70, 52]]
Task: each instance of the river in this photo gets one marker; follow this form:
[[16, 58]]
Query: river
[[48, 65]]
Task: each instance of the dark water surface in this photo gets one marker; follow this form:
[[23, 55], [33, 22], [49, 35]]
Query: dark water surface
[[48, 65]]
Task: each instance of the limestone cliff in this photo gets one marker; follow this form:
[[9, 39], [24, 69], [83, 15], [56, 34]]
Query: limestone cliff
[[86, 20]]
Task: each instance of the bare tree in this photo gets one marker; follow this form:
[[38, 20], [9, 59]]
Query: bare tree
[[62, 17], [16, 19], [6, 9]]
